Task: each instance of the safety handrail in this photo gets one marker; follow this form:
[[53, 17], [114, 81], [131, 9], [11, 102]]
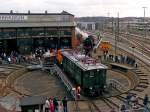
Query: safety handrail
[[133, 110], [96, 46], [116, 84], [64, 79]]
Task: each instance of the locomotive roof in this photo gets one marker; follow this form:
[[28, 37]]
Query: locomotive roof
[[84, 62]]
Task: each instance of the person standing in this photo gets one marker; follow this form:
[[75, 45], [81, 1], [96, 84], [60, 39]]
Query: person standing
[[64, 101], [9, 60], [145, 102], [123, 108], [133, 100], [128, 98], [52, 108], [78, 92], [136, 100], [60, 107], [47, 105], [55, 100]]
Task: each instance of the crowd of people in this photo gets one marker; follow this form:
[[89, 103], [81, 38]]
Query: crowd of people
[[14, 57], [56, 105], [132, 103], [120, 59]]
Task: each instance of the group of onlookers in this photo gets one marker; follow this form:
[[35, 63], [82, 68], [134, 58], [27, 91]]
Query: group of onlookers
[[56, 105], [13, 57], [120, 59], [16, 58], [132, 102]]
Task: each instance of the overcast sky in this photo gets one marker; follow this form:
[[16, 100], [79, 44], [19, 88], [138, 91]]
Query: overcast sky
[[80, 7]]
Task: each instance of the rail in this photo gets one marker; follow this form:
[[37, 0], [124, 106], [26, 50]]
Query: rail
[[95, 106], [65, 80], [77, 106], [117, 85], [107, 103], [137, 53], [90, 107], [111, 102], [96, 46], [134, 110], [13, 76]]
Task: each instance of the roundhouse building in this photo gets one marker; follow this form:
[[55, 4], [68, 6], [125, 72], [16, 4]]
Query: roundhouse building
[[24, 32]]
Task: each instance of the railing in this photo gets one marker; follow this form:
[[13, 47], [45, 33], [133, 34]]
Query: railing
[[65, 80], [96, 46], [117, 85], [133, 110]]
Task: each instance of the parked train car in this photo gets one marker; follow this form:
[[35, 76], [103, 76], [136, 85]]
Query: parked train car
[[85, 72]]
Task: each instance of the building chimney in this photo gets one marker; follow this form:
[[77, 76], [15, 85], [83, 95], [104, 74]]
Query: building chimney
[[46, 12], [11, 11], [29, 12]]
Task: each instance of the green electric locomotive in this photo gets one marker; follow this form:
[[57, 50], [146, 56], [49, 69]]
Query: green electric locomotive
[[85, 72]]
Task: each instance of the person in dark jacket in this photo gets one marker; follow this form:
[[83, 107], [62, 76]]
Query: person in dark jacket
[[128, 98], [145, 102], [123, 108], [55, 100], [64, 101]]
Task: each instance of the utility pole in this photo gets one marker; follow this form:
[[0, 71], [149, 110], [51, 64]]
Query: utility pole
[[107, 22], [115, 39], [116, 33], [112, 26], [128, 30], [144, 13], [144, 25], [118, 28]]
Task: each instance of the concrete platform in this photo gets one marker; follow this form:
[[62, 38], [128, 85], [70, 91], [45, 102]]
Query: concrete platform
[[122, 66]]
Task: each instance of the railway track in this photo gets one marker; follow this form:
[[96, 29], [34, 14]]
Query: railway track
[[111, 103], [139, 44], [87, 105], [6, 70], [100, 105], [105, 104], [93, 107], [138, 37]]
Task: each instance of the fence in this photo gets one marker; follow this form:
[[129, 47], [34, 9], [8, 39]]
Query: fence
[[117, 85], [65, 80], [133, 110]]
